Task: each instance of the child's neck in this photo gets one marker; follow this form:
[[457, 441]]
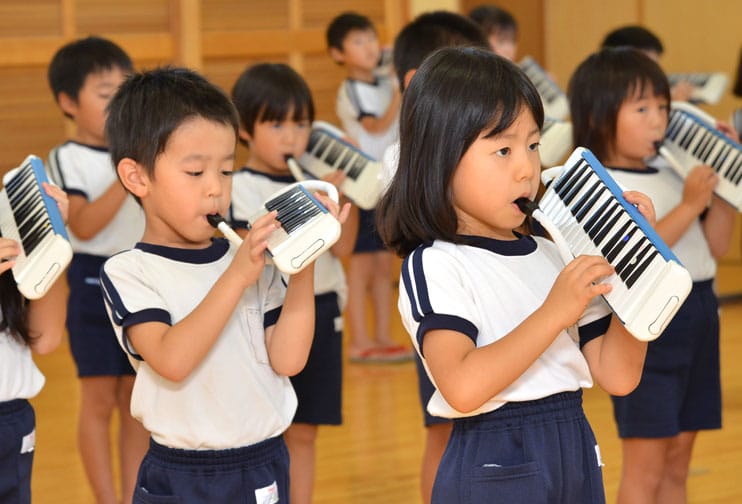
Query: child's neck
[[87, 138], [261, 166], [625, 162], [361, 74]]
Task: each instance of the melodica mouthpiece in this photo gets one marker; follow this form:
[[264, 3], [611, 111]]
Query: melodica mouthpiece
[[214, 220], [526, 206]]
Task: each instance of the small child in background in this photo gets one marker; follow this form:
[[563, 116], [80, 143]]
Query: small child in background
[[620, 102], [643, 39], [508, 334], [103, 220], [417, 40], [26, 327], [213, 331], [367, 106], [500, 27], [276, 111]]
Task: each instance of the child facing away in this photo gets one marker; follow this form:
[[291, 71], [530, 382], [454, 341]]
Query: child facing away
[[500, 27], [415, 41], [508, 334], [276, 111], [212, 330], [628, 96], [83, 76], [367, 106], [26, 327]]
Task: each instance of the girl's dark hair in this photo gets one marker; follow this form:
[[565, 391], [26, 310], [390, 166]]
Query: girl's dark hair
[[455, 95], [149, 106], [14, 314], [599, 87], [268, 92]]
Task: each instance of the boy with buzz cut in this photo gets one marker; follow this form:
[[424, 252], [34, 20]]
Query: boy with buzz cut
[[211, 329], [103, 220]]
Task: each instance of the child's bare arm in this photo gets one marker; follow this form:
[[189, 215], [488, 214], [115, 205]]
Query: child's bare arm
[[384, 122], [88, 218], [468, 376], [697, 190], [616, 359], [718, 226], [46, 317], [290, 339], [174, 351], [345, 244]]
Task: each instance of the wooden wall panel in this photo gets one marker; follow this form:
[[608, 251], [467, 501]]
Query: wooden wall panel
[[35, 18], [218, 37]]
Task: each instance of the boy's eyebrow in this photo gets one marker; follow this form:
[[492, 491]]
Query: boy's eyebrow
[[203, 157]]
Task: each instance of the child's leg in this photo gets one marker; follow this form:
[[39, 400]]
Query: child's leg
[[381, 296], [673, 487], [436, 439], [97, 400], [133, 439], [360, 272], [644, 463], [301, 441]]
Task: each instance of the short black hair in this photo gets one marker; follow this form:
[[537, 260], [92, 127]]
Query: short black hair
[[269, 92], [456, 95], [634, 36], [149, 106], [598, 88], [73, 62], [431, 31], [343, 24], [493, 19]]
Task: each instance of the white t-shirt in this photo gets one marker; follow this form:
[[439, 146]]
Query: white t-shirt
[[233, 398], [250, 190], [88, 171], [19, 376], [358, 99], [485, 290], [665, 189]]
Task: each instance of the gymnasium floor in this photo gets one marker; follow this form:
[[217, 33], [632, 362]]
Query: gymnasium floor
[[374, 456]]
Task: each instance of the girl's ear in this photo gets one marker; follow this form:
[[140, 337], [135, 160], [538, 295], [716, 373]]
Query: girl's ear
[[133, 177]]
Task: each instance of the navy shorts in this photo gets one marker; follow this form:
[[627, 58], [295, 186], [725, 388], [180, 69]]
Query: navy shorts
[[368, 239], [17, 421], [680, 388], [92, 340], [249, 474], [319, 385], [425, 389], [535, 452]]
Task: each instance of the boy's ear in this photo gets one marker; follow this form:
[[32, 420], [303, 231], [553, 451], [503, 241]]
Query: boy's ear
[[244, 135], [133, 177], [337, 55], [67, 104]]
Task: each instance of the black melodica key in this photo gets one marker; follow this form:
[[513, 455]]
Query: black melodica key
[[608, 225], [633, 257], [572, 187], [592, 225], [621, 239], [580, 209], [688, 136], [334, 153], [641, 268], [294, 210], [356, 168], [322, 144]]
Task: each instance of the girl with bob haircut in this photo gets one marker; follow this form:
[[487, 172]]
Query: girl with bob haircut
[[508, 334], [620, 101]]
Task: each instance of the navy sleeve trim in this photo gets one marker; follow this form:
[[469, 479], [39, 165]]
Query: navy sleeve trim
[[76, 192], [450, 322], [594, 330], [271, 317], [148, 315]]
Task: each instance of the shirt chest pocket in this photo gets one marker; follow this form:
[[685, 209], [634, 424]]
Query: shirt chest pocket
[[252, 324]]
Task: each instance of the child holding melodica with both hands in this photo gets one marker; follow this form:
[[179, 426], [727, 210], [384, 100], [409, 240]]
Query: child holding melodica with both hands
[[626, 94], [507, 332]]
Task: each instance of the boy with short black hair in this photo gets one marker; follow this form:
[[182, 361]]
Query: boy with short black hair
[[83, 76], [212, 330]]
